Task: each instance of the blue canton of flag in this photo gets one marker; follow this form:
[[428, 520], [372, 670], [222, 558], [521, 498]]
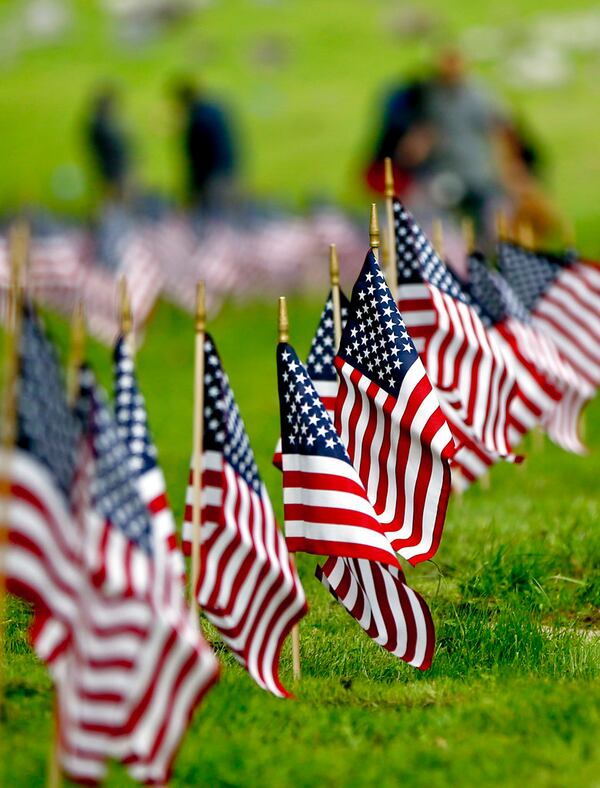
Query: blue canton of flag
[[530, 274], [46, 427], [326, 508], [113, 490], [319, 363], [225, 431], [375, 340], [130, 412], [305, 423], [417, 259]]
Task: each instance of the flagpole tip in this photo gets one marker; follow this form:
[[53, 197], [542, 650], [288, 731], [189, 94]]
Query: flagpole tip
[[334, 266], [389, 178], [501, 226], [468, 231], [125, 307], [283, 324], [437, 232], [200, 307], [374, 228]]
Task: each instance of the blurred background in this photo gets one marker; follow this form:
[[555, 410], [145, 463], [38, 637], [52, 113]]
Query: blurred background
[[103, 99]]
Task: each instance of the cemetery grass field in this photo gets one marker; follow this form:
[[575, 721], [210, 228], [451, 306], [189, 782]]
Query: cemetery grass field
[[513, 695]]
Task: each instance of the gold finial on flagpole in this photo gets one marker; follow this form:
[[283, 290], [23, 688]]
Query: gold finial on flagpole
[[283, 323], [526, 235], [437, 234], [501, 226], [126, 318], [334, 276], [374, 229], [389, 178], [200, 306], [468, 231], [198, 443], [76, 352]]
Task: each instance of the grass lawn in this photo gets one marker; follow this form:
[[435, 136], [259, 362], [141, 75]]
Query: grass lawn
[[513, 696]]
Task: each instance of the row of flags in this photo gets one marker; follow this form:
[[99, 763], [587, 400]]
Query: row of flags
[[166, 256], [423, 390]]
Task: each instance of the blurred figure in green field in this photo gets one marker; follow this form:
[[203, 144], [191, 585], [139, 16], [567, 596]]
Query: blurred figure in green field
[[209, 149], [108, 144], [456, 149]]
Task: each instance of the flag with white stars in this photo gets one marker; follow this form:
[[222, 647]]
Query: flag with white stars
[[462, 359], [326, 509], [390, 421], [563, 297], [319, 364], [41, 551], [248, 586], [132, 423]]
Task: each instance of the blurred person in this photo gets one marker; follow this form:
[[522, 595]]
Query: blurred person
[[456, 149], [209, 149], [108, 144]]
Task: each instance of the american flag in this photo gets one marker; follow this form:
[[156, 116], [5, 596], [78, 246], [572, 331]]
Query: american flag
[[389, 611], [563, 298], [134, 670], [326, 508], [132, 421], [319, 365], [459, 353], [503, 307], [248, 586], [389, 418], [42, 557]]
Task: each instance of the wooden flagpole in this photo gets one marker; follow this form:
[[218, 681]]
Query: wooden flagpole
[[126, 315], [198, 443], [391, 232], [437, 237], [19, 250], [468, 233], [374, 232], [283, 326], [334, 277], [76, 353]]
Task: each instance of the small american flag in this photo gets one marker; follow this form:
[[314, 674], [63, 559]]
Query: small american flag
[[132, 671], [389, 611], [326, 508], [43, 556], [319, 365], [459, 354], [248, 586], [563, 298], [389, 418], [132, 421], [504, 308]]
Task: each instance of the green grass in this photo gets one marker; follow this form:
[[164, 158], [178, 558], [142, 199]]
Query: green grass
[[513, 695]]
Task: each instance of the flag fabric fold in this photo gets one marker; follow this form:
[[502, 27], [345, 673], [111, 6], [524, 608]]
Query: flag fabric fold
[[248, 586], [326, 509], [389, 418]]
